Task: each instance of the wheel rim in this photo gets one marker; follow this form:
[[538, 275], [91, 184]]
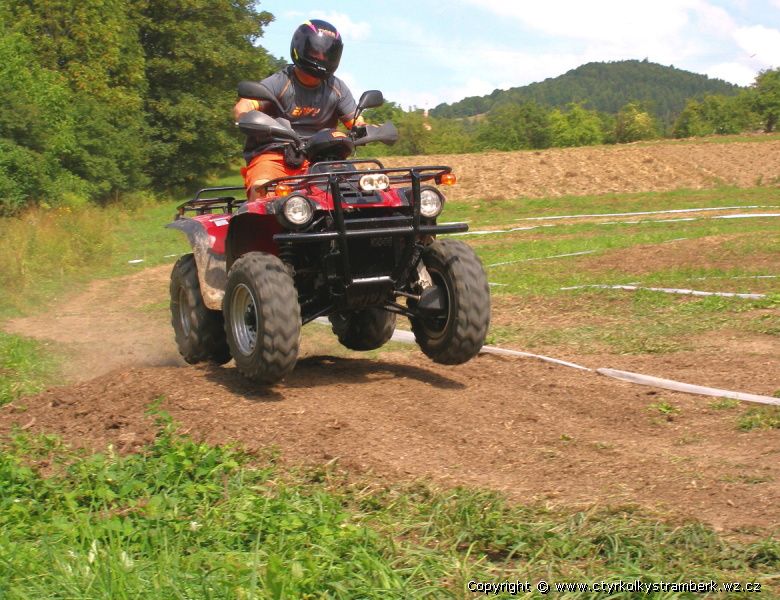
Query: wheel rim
[[184, 312], [435, 327], [243, 319]]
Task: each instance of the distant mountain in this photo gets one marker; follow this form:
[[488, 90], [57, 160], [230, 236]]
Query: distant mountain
[[605, 87]]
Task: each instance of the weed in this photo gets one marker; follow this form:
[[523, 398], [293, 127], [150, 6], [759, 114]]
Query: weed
[[603, 446], [687, 440], [665, 408], [24, 367], [724, 404], [760, 418]]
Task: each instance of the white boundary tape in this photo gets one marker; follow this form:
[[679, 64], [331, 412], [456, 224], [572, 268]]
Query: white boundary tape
[[677, 386], [646, 212], [407, 337], [511, 262], [635, 222], [668, 291], [737, 277], [507, 352]]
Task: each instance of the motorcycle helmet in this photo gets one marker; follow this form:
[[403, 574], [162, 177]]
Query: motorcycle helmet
[[316, 48]]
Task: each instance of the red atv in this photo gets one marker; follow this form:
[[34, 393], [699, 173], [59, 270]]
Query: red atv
[[350, 240]]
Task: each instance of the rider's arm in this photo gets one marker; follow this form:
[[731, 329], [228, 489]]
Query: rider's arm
[[349, 122], [245, 105]]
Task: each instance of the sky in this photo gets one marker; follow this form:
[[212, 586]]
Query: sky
[[424, 52]]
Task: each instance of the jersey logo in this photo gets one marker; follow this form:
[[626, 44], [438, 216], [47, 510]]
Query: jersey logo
[[304, 111]]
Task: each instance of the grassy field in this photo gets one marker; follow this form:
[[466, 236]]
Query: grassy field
[[536, 264], [186, 520]]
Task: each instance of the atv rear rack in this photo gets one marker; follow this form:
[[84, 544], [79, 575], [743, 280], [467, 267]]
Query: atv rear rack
[[207, 206]]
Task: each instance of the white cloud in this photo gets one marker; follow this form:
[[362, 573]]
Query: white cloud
[[679, 32], [733, 72], [760, 43], [349, 29], [613, 20], [433, 96]]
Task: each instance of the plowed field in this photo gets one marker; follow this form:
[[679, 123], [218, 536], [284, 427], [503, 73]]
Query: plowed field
[[604, 169]]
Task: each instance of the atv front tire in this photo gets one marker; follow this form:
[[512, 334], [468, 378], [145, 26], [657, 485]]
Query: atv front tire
[[364, 329], [200, 332], [262, 317], [455, 335]]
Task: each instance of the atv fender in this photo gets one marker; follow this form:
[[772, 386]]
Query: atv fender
[[212, 271], [251, 231]]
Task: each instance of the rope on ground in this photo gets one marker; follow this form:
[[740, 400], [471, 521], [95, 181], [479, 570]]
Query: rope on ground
[[645, 212], [688, 388], [668, 291]]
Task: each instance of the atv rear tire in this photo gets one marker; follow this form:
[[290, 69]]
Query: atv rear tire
[[262, 317], [364, 329], [457, 335], [200, 332]]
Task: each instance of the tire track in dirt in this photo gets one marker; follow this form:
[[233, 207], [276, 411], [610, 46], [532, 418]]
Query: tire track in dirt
[[536, 431]]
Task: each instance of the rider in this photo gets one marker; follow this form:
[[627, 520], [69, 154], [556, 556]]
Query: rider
[[313, 98]]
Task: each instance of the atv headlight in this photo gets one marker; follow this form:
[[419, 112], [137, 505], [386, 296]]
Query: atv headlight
[[297, 210], [374, 181], [431, 202]]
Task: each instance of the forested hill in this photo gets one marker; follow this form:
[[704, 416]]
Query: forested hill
[[604, 87]]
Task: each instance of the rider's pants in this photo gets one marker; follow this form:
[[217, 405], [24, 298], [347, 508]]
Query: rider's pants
[[267, 166]]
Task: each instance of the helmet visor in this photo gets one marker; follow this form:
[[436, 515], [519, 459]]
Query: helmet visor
[[323, 51]]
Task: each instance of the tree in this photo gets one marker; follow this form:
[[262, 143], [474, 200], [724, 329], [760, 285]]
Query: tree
[[515, 126], [449, 136], [93, 46], [716, 114], [575, 127], [691, 122], [634, 123], [766, 99], [37, 128], [196, 52]]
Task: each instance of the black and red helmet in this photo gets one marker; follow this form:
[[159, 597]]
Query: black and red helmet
[[316, 48]]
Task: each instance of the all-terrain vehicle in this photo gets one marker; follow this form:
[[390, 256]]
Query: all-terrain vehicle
[[351, 240]]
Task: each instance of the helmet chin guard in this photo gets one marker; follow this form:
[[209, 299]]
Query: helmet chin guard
[[316, 48]]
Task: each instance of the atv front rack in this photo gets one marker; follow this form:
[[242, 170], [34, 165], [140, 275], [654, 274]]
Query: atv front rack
[[407, 227], [207, 206], [346, 172]]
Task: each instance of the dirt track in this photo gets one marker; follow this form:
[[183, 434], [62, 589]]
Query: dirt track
[[537, 431]]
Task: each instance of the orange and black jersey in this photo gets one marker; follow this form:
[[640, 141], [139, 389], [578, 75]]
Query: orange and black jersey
[[309, 109]]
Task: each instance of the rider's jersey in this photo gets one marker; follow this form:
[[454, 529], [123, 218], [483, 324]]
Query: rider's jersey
[[309, 109]]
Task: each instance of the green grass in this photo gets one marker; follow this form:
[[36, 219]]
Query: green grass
[[183, 519], [732, 252], [760, 418], [724, 404], [49, 252], [24, 367], [511, 211]]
